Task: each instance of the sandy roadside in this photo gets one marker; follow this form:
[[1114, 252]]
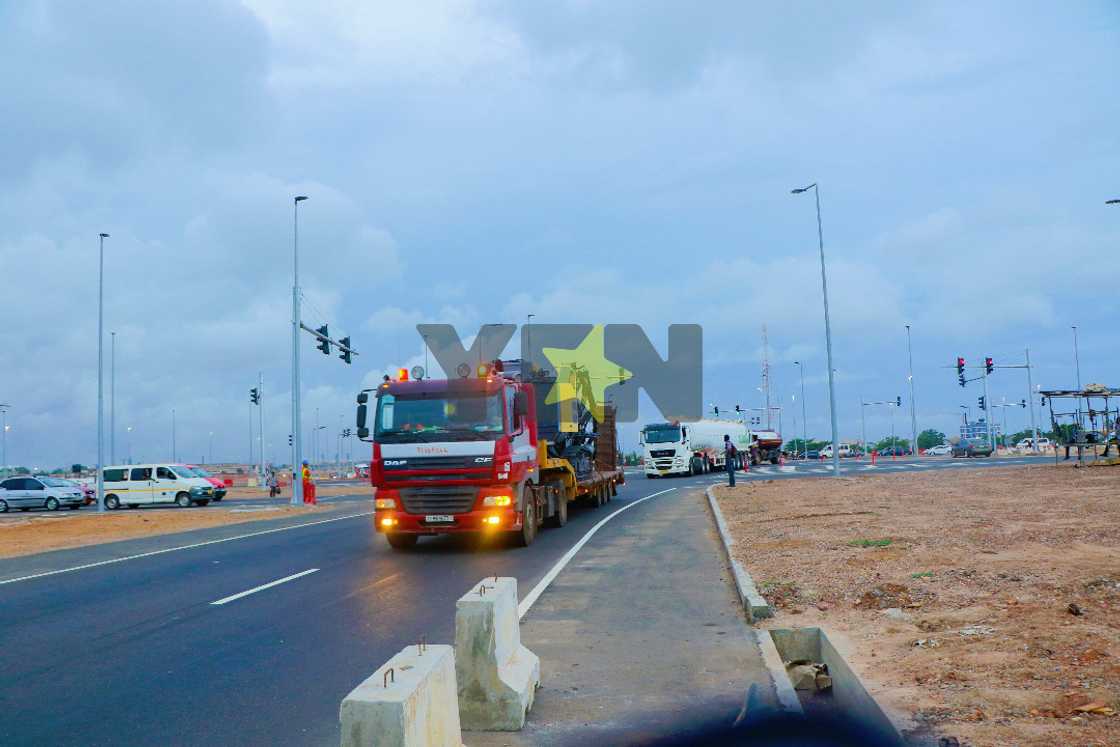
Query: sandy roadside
[[322, 491], [985, 603], [39, 532]]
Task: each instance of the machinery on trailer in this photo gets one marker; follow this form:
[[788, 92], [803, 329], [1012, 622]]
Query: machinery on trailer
[[496, 451]]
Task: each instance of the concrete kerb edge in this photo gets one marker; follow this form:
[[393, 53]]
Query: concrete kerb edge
[[754, 603], [783, 687]]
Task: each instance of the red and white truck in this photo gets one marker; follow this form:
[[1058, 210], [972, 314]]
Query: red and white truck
[[484, 453]]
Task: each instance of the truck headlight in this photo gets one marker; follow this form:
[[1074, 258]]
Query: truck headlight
[[497, 500], [384, 503]]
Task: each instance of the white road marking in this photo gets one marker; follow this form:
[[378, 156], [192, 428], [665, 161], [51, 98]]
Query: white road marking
[[531, 597], [262, 587], [182, 547]]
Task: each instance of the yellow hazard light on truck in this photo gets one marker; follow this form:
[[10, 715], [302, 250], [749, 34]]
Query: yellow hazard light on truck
[[388, 521], [497, 500], [384, 503], [493, 520]]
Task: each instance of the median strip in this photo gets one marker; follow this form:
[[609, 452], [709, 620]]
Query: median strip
[[262, 587]]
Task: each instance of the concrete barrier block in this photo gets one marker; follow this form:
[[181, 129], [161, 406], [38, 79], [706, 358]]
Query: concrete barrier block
[[497, 676], [411, 701]]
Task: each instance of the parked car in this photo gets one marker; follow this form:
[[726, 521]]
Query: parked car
[[51, 493], [140, 484], [939, 450], [88, 493], [813, 454], [1043, 444], [895, 451], [972, 447], [220, 488]]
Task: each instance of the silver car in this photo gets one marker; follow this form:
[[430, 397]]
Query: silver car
[[50, 493]]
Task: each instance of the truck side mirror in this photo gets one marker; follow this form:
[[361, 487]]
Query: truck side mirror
[[363, 398], [363, 431], [684, 434]]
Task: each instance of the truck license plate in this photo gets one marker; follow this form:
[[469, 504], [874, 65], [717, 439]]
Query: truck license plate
[[439, 519]]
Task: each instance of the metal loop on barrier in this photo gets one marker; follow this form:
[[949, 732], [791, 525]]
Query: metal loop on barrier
[[388, 677], [422, 645], [482, 589]]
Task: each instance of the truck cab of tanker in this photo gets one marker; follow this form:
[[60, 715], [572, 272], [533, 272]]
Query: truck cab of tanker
[[449, 455], [665, 449]]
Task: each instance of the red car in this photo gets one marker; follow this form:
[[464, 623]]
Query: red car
[[220, 488]]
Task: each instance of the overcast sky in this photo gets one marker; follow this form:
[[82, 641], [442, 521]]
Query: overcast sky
[[614, 161]]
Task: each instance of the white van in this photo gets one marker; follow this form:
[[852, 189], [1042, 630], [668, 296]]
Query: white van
[[140, 484], [845, 451]]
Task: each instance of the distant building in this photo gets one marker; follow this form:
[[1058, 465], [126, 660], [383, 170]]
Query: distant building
[[979, 429]]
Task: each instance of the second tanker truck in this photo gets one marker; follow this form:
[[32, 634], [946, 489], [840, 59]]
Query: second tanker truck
[[697, 447]]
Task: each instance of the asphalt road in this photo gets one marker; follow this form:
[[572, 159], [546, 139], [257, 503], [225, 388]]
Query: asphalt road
[[137, 651]]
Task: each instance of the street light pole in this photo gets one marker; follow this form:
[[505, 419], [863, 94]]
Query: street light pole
[[113, 398], [260, 420], [913, 413], [526, 355], [827, 333], [862, 426], [804, 422], [4, 438], [101, 372], [128, 431], [174, 451], [297, 438]]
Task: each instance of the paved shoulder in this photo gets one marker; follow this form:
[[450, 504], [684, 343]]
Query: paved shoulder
[[641, 635]]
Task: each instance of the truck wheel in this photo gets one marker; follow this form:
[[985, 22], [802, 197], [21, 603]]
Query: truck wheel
[[183, 499], [399, 541], [112, 502], [773, 460], [528, 532]]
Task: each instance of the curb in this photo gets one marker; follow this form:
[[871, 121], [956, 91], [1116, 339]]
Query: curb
[[753, 602], [787, 696]]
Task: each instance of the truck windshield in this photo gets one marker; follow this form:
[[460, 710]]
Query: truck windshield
[[426, 418], [663, 434]]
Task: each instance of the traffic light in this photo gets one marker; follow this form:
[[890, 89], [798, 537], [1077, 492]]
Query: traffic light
[[324, 343], [1022, 403], [345, 345], [980, 401], [898, 401], [988, 365], [254, 396], [738, 409], [715, 408], [289, 439], [960, 371]]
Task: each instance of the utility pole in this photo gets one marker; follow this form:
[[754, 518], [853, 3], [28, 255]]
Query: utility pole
[[766, 373], [174, 453], [913, 413], [101, 373], [297, 436], [251, 460]]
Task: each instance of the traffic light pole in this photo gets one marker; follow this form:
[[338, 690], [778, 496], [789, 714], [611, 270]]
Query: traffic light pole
[[1030, 401], [297, 450], [988, 411], [260, 420]]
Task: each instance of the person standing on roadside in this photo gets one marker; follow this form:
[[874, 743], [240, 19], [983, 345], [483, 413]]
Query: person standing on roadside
[[729, 454], [308, 485]]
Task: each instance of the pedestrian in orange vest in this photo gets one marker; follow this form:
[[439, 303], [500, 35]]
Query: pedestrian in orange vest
[[308, 485]]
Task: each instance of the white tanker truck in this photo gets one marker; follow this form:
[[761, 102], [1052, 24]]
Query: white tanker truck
[[697, 447]]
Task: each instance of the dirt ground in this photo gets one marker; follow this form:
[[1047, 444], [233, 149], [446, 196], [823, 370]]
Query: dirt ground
[[40, 531], [322, 491], [984, 604]]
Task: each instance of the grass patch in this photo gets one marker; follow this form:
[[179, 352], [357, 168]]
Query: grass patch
[[923, 574], [870, 542]]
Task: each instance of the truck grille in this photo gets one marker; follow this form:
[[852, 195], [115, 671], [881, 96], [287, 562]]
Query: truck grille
[[450, 500], [662, 453], [438, 462]]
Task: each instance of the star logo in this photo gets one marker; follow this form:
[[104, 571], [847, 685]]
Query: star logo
[[584, 373]]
